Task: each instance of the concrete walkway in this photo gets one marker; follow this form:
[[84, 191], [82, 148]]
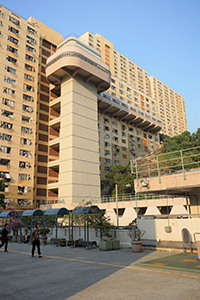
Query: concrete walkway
[[65, 273]]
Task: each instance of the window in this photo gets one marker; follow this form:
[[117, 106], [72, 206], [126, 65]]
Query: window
[[116, 162], [115, 138], [28, 88], [25, 153], [14, 30], [123, 133], [5, 149], [106, 128], [31, 49], [11, 59], [33, 31], [30, 58], [12, 50], [27, 108], [138, 131], [115, 131], [28, 77], [123, 127], [107, 161], [107, 169], [26, 130], [9, 91], [6, 125], [123, 141], [124, 156], [9, 80], [6, 137], [25, 141], [106, 136], [116, 147], [24, 177], [27, 119], [29, 68], [13, 40], [106, 152], [30, 40], [7, 113], [10, 70], [106, 144], [115, 154], [114, 123], [132, 152], [4, 162], [106, 121], [132, 137], [13, 20], [8, 102], [138, 139], [24, 165], [28, 98]]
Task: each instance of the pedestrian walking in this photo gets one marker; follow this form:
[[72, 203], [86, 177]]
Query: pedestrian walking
[[4, 237], [35, 240]]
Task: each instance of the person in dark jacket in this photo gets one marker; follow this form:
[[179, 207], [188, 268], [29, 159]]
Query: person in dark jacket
[[4, 237], [36, 240]]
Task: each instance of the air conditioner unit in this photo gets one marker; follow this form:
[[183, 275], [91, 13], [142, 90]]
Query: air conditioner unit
[[144, 182]]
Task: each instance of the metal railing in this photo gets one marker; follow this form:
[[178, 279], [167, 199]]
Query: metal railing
[[158, 165], [109, 199]]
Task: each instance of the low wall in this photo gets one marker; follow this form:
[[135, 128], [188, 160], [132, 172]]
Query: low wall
[[155, 234]]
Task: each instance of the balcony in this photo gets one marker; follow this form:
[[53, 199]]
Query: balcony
[[54, 133], [127, 113]]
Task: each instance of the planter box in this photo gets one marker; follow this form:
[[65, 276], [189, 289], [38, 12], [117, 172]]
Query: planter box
[[116, 244], [62, 243], [136, 246], [105, 245]]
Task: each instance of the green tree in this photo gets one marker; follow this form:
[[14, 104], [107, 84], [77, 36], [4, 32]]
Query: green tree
[[120, 175], [186, 140]]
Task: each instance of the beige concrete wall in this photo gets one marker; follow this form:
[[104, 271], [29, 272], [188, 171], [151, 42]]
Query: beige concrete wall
[[79, 157]]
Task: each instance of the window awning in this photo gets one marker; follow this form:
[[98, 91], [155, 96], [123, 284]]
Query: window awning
[[7, 176]]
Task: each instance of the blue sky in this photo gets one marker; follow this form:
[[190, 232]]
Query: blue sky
[[161, 36]]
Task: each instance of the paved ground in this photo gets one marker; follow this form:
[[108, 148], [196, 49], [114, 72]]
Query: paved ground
[[65, 273]]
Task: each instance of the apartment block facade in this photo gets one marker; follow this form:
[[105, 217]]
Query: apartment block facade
[[19, 54], [129, 114]]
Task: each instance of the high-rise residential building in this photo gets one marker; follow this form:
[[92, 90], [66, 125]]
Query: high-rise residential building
[[63, 126], [132, 85], [170, 107], [19, 54]]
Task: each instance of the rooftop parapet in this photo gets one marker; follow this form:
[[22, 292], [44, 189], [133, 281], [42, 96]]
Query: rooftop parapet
[[73, 57]]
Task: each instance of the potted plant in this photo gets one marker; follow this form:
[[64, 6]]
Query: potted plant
[[135, 234], [62, 242], [102, 225], [76, 242]]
